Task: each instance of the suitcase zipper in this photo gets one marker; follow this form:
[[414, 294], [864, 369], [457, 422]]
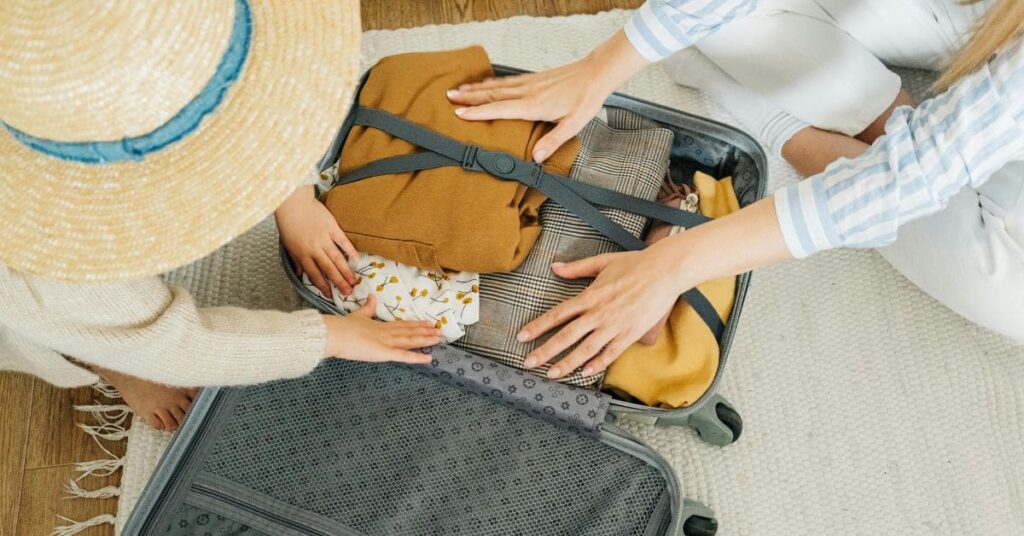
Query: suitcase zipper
[[620, 439], [229, 504], [242, 505]]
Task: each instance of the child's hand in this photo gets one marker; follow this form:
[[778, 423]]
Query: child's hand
[[358, 337], [312, 237]]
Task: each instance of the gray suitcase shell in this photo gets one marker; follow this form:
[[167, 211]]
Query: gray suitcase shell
[[464, 446]]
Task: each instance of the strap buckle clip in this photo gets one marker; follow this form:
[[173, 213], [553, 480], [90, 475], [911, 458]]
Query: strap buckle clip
[[469, 161], [502, 166], [536, 174]]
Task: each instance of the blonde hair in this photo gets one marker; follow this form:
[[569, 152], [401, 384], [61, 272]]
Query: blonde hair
[[1003, 22]]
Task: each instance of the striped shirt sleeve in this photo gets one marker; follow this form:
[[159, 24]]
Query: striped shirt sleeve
[[957, 139], [661, 27]]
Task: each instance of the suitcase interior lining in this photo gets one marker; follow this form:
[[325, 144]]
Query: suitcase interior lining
[[383, 449]]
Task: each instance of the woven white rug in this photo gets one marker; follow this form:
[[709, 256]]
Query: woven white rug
[[868, 407]]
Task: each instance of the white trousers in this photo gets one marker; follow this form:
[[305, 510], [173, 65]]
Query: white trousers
[[824, 61], [970, 256]]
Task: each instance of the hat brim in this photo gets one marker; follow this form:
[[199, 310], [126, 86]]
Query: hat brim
[[87, 222]]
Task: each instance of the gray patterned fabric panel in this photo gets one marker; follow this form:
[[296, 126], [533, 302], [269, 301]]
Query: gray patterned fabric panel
[[632, 160], [189, 520], [384, 450], [576, 409]]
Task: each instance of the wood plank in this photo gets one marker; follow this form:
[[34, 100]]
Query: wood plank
[[54, 439], [15, 407], [390, 14], [43, 499]]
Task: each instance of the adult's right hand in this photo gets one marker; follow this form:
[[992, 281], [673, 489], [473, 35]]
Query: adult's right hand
[[569, 95]]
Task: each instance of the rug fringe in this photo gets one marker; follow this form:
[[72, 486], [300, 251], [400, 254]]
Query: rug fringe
[[107, 390], [75, 491], [75, 527], [99, 468], [106, 431], [107, 413], [111, 424]]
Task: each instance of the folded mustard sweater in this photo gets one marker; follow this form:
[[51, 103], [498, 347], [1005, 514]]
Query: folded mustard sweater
[[444, 218]]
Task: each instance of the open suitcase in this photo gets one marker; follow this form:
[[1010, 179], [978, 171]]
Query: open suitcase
[[462, 446]]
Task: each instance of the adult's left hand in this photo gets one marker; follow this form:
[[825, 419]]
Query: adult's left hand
[[631, 292]]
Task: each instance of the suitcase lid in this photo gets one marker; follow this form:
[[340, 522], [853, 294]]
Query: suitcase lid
[[464, 446]]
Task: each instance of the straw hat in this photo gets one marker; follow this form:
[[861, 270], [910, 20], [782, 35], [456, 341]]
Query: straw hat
[[143, 135]]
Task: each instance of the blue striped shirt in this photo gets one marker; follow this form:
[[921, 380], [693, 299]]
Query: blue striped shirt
[[928, 153], [661, 27]]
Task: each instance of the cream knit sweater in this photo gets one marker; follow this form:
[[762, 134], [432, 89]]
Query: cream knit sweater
[[150, 330]]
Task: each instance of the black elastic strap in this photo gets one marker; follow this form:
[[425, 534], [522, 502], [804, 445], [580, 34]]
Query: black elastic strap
[[594, 195], [397, 164], [473, 158], [455, 150], [558, 192], [634, 205], [410, 132], [575, 196]]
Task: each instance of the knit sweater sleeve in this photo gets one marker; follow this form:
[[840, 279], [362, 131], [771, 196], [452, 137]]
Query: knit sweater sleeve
[[150, 330]]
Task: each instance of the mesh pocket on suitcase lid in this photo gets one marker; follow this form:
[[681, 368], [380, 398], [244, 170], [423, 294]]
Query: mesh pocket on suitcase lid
[[385, 450]]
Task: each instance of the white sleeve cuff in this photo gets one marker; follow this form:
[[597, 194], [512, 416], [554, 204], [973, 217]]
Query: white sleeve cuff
[[644, 32], [802, 211]]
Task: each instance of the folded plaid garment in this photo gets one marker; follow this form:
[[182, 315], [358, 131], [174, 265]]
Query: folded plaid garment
[[632, 161]]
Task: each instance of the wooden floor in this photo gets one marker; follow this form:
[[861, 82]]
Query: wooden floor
[[39, 441], [384, 14]]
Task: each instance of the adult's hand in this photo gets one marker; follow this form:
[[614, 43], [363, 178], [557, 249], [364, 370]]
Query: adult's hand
[[632, 291], [569, 95]]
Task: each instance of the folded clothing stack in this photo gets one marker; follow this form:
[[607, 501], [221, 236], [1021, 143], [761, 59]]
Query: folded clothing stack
[[426, 211], [632, 161]]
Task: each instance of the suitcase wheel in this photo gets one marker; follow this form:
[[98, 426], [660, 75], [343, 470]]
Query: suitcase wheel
[[717, 422], [730, 418], [700, 526]]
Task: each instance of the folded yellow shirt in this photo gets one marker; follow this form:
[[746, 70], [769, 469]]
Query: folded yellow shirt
[[678, 368]]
